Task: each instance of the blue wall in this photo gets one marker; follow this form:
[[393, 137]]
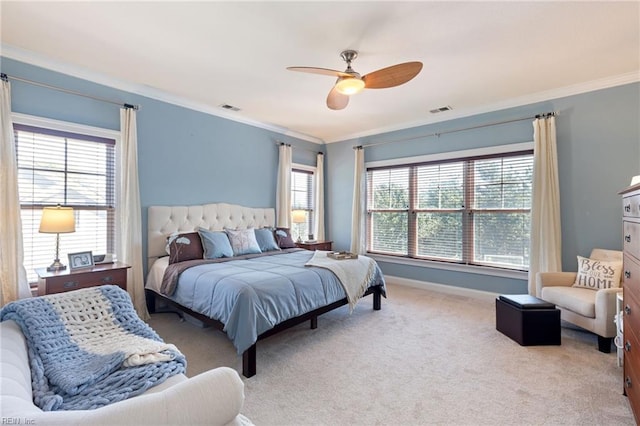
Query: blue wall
[[598, 140], [184, 156]]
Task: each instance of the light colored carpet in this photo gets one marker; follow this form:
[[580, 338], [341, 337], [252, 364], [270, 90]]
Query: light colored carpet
[[425, 358]]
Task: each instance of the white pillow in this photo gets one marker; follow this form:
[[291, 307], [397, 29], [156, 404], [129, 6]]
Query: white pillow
[[243, 241], [596, 274]]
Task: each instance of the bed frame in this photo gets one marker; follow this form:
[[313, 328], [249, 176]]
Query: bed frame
[[164, 220]]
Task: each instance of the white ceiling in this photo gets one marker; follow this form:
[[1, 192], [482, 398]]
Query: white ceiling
[[478, 56]]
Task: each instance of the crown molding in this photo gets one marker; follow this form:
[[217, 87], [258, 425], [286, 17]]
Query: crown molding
[[575, 89], [32, 58]]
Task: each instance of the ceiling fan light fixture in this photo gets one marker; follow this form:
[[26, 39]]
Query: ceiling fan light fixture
[[349, 85]]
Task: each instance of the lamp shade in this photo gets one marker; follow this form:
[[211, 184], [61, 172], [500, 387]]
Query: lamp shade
[[349, 85], [57, 220], [299, 216]]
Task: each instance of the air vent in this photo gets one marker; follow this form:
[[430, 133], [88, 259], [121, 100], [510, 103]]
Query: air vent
[[229, 107], [441, 109]]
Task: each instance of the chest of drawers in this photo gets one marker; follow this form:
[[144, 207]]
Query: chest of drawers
[[631, 294]]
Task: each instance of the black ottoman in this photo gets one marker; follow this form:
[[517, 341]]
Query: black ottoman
[[528, 320]]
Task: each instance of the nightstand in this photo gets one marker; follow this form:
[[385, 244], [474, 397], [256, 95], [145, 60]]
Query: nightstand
[[315, 245], [67, 280]]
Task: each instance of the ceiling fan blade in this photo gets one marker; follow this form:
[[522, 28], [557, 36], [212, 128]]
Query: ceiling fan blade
[[392, 76], [337, 100], [324, 71]]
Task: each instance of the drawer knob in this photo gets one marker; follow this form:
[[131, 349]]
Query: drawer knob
[[627, 274], [71, 284], [627, 208], [627, 346], [627, 382], [627, 238], [627, 310], [107, 279]]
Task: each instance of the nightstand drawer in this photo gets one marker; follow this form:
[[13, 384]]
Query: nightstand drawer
[[318, 245], [51, 283]]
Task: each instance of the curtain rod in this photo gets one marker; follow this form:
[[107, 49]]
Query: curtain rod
[[6, 77], [437, 134], [278, 143]]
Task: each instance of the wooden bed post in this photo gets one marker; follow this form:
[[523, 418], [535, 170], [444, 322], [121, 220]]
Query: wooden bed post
[[249, 362], [377, 298], [151, 301]]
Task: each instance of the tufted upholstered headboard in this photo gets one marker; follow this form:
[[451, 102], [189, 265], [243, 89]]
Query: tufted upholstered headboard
[[164, 220]]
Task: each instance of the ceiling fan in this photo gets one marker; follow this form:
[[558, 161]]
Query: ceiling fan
[[350, 82]]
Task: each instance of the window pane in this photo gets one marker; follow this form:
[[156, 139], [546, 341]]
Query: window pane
[[302, 199], [503, 183], [93, 229], [389, 232], [440, 235], [502, 239], [471, 211], [389, 189], [440, 186], [57, 169]]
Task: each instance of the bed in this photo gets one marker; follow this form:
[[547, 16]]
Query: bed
[[252, 296]]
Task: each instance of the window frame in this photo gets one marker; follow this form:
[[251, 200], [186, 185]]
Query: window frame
[[431, 262], [68, 129], [302, 168]]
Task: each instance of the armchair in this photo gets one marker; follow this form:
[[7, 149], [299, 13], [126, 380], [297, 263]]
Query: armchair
[[593, 310]]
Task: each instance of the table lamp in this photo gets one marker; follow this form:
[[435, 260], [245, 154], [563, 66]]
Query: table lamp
[[57, 220], [298, 217]]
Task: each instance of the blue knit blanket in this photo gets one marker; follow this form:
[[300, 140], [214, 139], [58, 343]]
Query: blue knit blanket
[[88, 348]]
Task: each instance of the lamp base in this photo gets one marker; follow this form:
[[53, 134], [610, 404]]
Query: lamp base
[[56, 266]]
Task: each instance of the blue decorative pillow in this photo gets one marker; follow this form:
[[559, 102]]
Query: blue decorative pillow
[[243, 241], [265, 239], [215, 244]]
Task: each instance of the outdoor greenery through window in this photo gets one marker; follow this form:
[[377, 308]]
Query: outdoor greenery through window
[[471, 211], [69, 169], [302, 200]]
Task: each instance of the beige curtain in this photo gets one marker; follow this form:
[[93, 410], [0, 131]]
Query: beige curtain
[[358, 221], [13, 276], [546, 245], [283, 189], [129, 224], [318, 202]]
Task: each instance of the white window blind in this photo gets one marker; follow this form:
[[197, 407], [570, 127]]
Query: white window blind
[[302, 199], [470, 211], [70, 169]]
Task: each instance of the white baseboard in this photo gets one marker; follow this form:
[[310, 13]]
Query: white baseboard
[[442, 288]]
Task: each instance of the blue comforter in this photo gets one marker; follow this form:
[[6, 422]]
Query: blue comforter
[[253, 295]]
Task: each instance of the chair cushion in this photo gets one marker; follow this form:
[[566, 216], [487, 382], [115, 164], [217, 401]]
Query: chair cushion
[[582, 301]]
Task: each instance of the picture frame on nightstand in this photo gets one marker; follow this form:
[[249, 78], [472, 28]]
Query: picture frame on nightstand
[[81, 260]]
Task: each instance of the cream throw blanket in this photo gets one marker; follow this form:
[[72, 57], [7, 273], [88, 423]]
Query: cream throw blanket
[[355, 275]]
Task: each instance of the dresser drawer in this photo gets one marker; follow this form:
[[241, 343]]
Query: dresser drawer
[[631, 308], [631, 275], [631, 206], [631, 373], [631, 238], [77, 280]]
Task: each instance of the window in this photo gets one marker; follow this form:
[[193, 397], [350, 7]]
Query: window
[[302, 200], [472, 211], [70, 169]]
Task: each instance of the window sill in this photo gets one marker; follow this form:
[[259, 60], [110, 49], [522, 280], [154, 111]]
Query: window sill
[[471, 269]]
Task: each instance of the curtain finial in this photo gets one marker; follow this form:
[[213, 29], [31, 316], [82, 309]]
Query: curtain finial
[[4, 77]]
